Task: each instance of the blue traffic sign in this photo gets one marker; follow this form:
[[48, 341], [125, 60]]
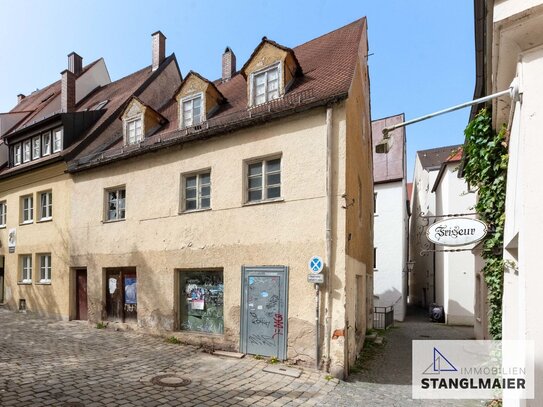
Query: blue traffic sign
[[316, 264]]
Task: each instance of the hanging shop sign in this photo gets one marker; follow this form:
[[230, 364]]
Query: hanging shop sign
[[456, 232]]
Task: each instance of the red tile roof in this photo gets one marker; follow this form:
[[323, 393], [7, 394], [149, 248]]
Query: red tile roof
[[328, 63]]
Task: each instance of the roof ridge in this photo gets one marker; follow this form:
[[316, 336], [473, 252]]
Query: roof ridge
[[331, 32]]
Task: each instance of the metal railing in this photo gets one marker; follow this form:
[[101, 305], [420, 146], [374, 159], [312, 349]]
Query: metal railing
[[383, 317]]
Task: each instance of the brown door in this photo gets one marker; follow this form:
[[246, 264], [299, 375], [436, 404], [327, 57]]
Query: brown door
[[81, 294]]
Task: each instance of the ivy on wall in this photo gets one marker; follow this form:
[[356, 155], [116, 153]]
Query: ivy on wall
[[485, 167]]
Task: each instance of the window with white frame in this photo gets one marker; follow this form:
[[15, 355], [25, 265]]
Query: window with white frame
[[46, 205], [45, 267], [17, 154], [36, 148], [27, 209], [197, 191], [3, 213], [115, 202], [46, 143], [265, 86], [27, 147], [264, 180], [134, 131], [192, 111], [57, 140], [26, 268]]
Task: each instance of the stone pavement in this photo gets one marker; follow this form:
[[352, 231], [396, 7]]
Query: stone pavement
[[385, 379], [63, 364]]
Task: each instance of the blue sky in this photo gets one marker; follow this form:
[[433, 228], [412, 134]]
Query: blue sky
[[423, 50]]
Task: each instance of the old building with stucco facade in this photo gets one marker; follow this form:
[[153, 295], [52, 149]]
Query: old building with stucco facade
[[193, 206]]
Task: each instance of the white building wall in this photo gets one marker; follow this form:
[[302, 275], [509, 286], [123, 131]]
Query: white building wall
[[390, 228], [523, 279], [455, 271]]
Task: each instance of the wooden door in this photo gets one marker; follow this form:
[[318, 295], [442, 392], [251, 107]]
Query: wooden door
[[81, 294]]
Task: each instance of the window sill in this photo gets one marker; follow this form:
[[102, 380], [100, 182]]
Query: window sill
[[114, 220], [2, 226], [195, 211], [45, 282], [45, 220], [266, 201], [28, 222], [24, 282], [374, 270]]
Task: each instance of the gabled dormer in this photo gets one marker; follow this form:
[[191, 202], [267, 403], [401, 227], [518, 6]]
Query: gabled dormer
[[269, 72], [197, 99], [139, 120]]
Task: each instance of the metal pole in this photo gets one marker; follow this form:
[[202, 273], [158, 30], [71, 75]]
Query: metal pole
[[317, 327], [512, 91]]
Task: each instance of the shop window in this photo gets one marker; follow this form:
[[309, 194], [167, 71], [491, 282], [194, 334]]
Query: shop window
[[201, 301], [121, 294]]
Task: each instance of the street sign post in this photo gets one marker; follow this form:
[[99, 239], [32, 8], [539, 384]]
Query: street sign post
[[316, 264], [315, 278]]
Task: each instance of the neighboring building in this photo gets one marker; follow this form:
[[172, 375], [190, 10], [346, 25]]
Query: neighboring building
[[196, 205], [391, 220], [509, 44], [38, 136], [422, 289], [454, 271]]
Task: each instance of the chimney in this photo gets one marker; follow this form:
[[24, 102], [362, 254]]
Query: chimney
[[228, 64], [159, 49], [20, 98], [75, 63], [67, 92]]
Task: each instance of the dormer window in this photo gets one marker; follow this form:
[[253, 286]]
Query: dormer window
[[36, 148], [139, 121], [197, 100], [26, 151], [266, 85], [134, 131], [57, 140], [46, 143], [18, 155], [192, 111]]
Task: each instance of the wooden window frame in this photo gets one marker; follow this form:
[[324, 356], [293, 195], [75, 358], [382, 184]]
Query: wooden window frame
[[107, 201], [24, 210], [265, 71], [198, 188], [190, 99], [264, 183], [45, 267], [48, 204]]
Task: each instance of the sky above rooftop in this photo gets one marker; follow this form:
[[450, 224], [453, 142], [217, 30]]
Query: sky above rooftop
[[421, 51]]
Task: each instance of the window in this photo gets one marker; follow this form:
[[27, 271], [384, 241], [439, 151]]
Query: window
[[28, 209], [201, 300], [3, 214], [266, 86], [197, 191], [115, 204], [375, 257], [26, 269], [264, 180], [134, 132], [18, 155], [57, 140], [45, 268], [192, 111], [46, 143], [375, 202], [36, 148], [26, 151], [46, 205]]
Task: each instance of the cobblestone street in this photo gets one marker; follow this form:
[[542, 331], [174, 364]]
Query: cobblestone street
[[51, 363]]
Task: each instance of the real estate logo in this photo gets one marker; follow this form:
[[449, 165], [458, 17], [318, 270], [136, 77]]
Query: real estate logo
[[473, 369]]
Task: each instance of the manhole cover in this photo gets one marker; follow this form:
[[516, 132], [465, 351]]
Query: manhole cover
[[170, 380]]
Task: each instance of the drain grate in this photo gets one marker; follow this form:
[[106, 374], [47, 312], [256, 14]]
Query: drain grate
[[170, 380]]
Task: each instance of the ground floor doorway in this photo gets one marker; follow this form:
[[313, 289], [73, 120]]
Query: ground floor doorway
[[1, 285], [264, 311], [121, 294]]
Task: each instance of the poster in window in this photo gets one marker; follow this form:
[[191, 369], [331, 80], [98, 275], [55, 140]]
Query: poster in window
[[130, 290]]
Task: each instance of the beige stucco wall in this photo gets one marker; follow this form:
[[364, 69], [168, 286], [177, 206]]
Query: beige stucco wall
[[157, 240], [39, 237]]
